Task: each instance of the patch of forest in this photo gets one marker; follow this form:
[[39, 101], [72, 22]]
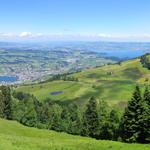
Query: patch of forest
[[97, 120]]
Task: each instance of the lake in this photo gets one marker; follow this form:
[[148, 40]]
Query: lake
[[123, 54], [8, 78], [55, 93]]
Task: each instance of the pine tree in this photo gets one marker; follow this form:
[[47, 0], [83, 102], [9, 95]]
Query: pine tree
[[19, 111], [38, 108], [84, 126], [91, 119], [114, 119], [110, 126], [144, 124], [7, 102], [30, 116], [2, 114], [147, 95], [56, 117], [75, 119], [144, 118], [130, 127], [46, 113], [46, 117], [65, 118], [103, 115]]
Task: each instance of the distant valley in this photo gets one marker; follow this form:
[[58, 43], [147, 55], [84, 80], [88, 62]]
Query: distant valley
[[36, 61]]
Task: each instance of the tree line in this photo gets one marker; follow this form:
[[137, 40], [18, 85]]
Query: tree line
[[97, 120], [145, 60], [64, 77]]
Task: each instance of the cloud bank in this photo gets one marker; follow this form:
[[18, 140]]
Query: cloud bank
[[29, 36], [25, 34]]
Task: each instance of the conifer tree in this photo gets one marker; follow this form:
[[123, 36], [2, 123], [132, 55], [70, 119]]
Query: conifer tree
[[19, 111], [103, 114], [114, 119], [109, 128], [147, 95], [56, 117], [130, 127], [44, 116], [7, 102], [84, 126], [46, 113], [144, 124], [2, 115], [30, 116], [75, 119], [144, 118], [91, 118], [65, 118]]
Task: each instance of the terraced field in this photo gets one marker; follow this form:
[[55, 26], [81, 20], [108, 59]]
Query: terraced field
[[14, 136], [114, 83]]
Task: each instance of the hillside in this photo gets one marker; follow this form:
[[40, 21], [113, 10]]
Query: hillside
[[114, 83], [14, 136]]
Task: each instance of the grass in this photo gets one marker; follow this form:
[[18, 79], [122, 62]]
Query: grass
[[42, 91], [14, 136], [114, 83]]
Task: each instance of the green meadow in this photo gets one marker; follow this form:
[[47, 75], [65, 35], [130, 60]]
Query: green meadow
[[113, 83], [14, 136]]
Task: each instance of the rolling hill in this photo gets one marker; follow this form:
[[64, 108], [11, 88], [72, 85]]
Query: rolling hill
[[14, 136], [113, 83]]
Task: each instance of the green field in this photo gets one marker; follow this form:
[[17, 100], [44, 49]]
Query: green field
[[114, 83], [14, 136], [38, 64]]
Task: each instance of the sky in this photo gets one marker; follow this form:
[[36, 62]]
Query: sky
[[81, 20]]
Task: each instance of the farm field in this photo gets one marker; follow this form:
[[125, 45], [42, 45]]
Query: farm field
[[36, 64], [14, 136], [114, 83]]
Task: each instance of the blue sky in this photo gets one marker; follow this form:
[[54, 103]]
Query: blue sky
[[106, 20]]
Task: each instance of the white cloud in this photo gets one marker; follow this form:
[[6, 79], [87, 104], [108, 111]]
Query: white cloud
[[104, 35], [39, 34], [28, 36], [25, 34], [6, 35]]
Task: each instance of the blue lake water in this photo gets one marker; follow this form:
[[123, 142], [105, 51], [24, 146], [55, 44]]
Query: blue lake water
[[8, 78], [123, 54], [55, 93]]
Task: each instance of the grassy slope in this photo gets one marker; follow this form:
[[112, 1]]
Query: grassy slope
[[14, 136], [42, 91], [115, 88]]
